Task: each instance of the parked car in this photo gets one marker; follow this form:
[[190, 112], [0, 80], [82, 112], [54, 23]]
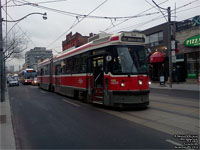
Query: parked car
[[9, 78], [35, 81], [13, 82]]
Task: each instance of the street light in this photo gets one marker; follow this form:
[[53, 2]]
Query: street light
[[2, 63], [17, 21], [35, 13], [45, 16]]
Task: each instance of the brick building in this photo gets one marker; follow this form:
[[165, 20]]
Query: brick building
[[75, 40]]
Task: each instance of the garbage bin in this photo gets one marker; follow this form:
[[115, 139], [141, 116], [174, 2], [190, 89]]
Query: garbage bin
[[162, 80]]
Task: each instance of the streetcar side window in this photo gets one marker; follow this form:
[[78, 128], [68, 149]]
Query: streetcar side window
[[76, 64], [63, 66], [83, 62], [41, 72], [46, 70], [58, 69]]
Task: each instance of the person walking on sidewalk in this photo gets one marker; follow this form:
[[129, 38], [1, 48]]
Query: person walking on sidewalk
[[177, 74]]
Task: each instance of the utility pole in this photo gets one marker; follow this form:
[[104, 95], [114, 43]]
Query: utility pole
[[169, 46], [2, 59], [169, 41]]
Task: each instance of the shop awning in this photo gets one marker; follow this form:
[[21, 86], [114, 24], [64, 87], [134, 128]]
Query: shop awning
[[156, 57]]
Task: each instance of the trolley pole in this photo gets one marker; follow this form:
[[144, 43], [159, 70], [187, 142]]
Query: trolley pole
[[169, 46], [2, 59]]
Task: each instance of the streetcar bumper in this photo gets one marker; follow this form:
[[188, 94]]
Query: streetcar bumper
[[137, 98]]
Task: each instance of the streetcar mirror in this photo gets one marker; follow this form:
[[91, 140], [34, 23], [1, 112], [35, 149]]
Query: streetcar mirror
[[108, 58]]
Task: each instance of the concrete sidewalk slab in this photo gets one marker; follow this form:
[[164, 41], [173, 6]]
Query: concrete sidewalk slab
[[7, 140], [177, 86]]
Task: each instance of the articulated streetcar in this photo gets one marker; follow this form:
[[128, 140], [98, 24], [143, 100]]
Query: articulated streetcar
[[26, 76], [111, 71]]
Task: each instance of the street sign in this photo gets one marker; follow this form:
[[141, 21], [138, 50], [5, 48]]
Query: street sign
[[173, 53], [173, 59], [173, 44]]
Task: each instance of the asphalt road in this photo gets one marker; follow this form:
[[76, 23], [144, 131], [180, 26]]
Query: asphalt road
[[45, 120]]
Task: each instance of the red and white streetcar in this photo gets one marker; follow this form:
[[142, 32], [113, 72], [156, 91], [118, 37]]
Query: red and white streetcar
[[111, 70], [26, 76]]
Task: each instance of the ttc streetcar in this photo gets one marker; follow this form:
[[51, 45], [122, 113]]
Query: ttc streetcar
[[26, 76], [111, 70]]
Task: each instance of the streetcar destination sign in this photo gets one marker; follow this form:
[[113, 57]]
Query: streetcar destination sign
[[193, 41], [132, 39]]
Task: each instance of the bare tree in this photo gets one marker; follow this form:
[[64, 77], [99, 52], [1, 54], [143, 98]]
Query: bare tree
[[14, 46]]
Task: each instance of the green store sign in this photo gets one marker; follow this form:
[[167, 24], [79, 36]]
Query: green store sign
[[193, 41]]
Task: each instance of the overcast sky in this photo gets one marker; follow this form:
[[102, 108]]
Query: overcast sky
[[51, 32]]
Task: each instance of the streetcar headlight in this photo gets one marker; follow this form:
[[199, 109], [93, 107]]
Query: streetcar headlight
[[140, 82], [149, 82], [122, 84]]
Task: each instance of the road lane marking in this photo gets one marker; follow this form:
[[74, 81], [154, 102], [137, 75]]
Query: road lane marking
[[174, 143], [70, 102]]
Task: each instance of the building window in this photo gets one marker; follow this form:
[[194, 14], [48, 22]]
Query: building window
[[193, 66], [155, 39]]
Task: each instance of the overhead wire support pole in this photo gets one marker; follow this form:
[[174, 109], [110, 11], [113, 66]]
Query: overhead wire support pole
[[169, 46], [169, 42], [1, 59]]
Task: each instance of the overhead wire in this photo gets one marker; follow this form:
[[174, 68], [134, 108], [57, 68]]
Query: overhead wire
[[158, 9], [6, 3], [154, 19], [108, 28], [77, 23], [20, 29], [53, 1], [83, 15], [185, 5], [159, 16]]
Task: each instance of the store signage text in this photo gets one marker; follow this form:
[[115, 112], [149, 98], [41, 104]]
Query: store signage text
[[193, 41]]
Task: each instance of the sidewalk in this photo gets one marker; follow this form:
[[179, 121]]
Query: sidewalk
[[177, 86], [7, 140]]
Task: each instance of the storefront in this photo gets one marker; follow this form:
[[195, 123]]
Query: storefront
[[156, 66], [188, 52], [193, 58]]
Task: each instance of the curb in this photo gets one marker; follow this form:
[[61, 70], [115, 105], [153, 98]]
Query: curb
[[168, 88]]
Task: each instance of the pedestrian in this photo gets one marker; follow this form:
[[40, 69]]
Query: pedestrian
[[177, 74]]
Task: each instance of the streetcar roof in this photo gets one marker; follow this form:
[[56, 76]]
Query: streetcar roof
[[98, 43], [101, 42]]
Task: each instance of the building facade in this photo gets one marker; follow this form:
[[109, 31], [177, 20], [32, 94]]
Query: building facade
[[34, 55], [156, 43], [186, 64], [75, 40], [188, 50]]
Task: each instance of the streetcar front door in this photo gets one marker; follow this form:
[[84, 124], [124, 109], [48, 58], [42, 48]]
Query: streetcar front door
[[98, 79]]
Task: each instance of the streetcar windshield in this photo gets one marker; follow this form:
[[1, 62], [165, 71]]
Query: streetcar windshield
[[29, 75], [129, 60]]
